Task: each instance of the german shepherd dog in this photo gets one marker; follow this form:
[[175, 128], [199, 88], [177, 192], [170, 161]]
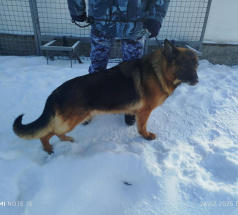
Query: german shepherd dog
[[133, 87]]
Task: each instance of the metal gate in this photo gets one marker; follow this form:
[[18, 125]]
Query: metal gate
[[27, 24]]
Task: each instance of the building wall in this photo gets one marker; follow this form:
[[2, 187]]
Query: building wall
[[222, 25]]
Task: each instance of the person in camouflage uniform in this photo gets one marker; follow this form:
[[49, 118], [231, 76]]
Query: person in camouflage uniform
[[127, 20], [101, 45]]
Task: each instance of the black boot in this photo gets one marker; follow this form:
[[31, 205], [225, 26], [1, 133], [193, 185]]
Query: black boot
[[130, 119]]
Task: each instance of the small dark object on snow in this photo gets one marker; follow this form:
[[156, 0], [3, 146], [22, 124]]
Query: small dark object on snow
[[126, 183]]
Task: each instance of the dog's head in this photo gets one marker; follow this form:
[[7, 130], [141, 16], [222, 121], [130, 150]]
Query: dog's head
[[183, 61]]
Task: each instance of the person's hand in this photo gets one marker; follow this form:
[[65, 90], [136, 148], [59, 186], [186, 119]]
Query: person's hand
[[80, 18], [153, 26]]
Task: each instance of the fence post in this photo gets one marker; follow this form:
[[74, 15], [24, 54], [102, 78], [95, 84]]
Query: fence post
[[36, 25], [146, 44], [204, 24]]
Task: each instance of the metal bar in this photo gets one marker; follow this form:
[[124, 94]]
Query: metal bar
[[177, 42], [71, 64], [77, 56], [146, 44], [59, 48], [75, 45], [195, 50], [49, 43], [56, 48], [36, 25], [204, 25], [47, 55], [46, 38]]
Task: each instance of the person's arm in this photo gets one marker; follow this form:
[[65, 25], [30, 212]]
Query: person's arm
[[77, 9], [158, 10]]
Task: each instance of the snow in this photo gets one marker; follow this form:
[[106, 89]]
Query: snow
[[191, 168]]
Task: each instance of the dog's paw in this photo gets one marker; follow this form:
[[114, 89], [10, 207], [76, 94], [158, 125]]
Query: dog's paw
[[150, 136], [71, 139], [63, 137], [49, 151], [68, 138]]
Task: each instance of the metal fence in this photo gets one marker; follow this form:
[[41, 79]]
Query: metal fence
[[25, 25]]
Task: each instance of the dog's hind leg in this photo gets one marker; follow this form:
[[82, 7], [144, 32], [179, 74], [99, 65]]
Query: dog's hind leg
[[45, 143], [70, 125]]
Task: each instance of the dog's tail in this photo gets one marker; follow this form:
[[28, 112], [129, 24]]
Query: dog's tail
[[36, 129]]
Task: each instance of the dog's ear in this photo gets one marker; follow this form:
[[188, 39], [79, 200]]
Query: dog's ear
[[170, 50]]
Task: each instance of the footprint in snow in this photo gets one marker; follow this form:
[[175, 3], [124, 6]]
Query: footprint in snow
[[222, 169], [213, 134]]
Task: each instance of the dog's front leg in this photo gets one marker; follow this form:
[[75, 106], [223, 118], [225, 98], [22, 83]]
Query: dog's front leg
[[142, 117]]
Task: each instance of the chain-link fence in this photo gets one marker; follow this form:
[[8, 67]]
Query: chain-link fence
[[16, 29], [26, 25]]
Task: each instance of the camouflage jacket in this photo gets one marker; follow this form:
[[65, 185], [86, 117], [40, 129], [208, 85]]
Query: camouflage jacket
[[129, 14]]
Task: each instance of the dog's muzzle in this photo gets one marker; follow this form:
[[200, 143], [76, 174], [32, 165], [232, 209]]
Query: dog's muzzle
[[193, 82]]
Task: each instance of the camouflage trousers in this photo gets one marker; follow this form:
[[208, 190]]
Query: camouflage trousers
[[101, 46]]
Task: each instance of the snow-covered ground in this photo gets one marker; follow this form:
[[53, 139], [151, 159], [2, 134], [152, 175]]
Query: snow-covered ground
[[191, 168]]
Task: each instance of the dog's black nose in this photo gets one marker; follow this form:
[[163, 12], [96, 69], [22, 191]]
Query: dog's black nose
[[194, 82], [195, 78]]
